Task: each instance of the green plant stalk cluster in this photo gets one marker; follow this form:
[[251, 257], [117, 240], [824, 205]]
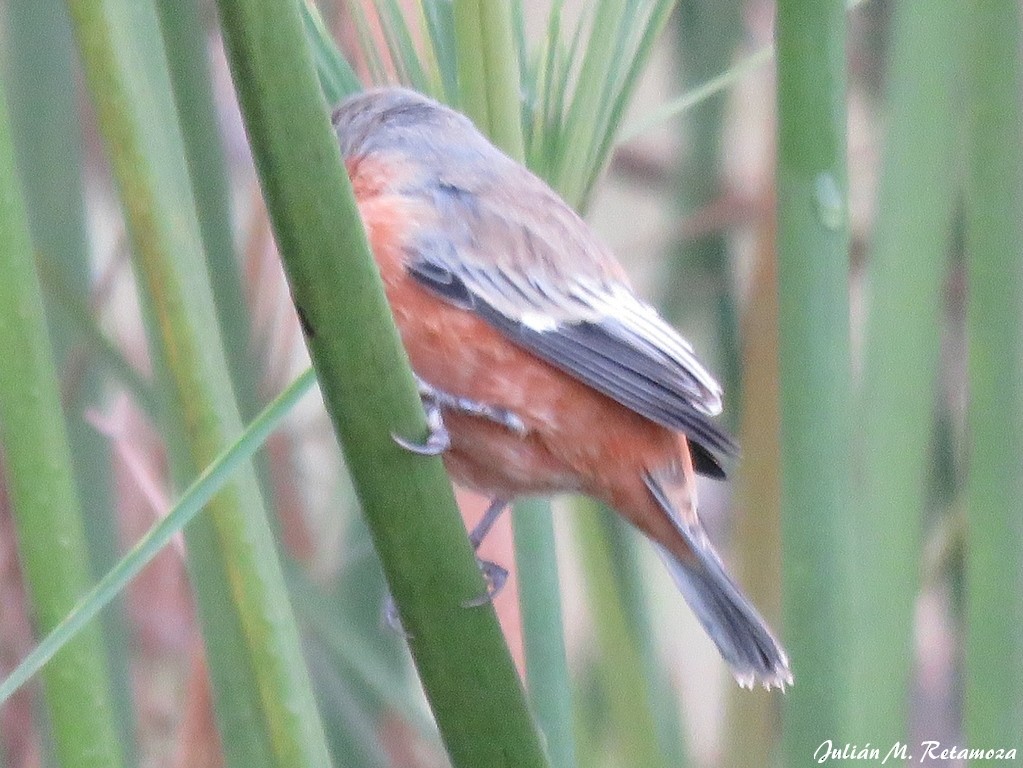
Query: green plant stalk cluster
[[907, 268], [994, 567], [813, 265], [463, 663], [51, 538], [264, 704]]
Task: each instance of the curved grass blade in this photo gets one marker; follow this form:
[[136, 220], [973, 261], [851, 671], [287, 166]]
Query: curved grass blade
[[440, 24], [336, 76], [205, 487], [398, 35], [717, 84]]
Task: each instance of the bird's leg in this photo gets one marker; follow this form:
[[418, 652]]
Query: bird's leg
[[439, 440], [494, 574], [482, 528]]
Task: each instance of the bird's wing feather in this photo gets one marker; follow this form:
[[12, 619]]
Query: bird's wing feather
[[539, 276]]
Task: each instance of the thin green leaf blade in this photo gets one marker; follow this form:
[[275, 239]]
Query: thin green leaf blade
[[191, 503], [336, 76], [440, 23]]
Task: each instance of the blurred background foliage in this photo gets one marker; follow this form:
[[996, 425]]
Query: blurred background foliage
[[904, 608]]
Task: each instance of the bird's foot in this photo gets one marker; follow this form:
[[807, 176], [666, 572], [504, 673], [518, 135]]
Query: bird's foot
[[495, 576], [500, 416], [439, 439], [482, 528]]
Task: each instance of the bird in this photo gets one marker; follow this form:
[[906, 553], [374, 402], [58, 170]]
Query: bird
[[541, 370]]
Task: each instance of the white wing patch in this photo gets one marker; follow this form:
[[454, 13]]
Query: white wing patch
[[639, 325], [647, 328], [538, 321]]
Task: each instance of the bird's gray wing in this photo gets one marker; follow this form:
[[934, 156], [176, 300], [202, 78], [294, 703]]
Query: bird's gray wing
[[530, 267]]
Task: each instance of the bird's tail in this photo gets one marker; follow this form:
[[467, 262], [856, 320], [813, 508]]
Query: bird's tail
[[741, 635]]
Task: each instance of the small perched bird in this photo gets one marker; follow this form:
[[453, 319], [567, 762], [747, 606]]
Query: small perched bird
[[540, 369]]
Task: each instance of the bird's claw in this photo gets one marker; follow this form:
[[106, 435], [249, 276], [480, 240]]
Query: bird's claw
[[495, 576], [506, 418], [439, 439]]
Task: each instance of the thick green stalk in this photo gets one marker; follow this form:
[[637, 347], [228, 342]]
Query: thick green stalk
[[47, 141], [48, 144], [51, 539], [907, 269], [463, 663], [813, 264], [994, 569], [264, 705]]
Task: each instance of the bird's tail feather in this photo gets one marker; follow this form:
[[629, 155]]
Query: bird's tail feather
[[740, 634]]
